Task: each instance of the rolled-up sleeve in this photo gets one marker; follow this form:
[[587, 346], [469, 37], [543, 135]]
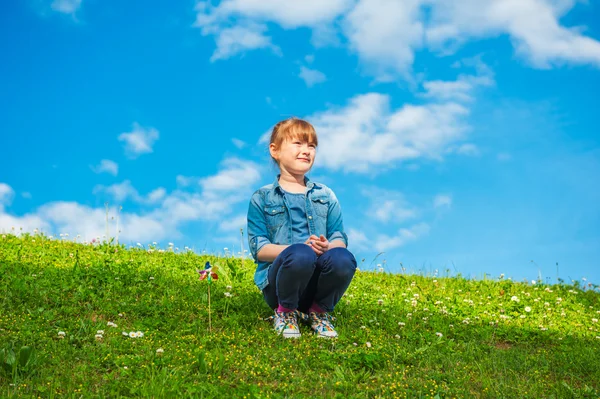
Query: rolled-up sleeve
[[257, 226], [335, 224]]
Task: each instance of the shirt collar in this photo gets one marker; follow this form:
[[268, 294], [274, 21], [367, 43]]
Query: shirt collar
[[309, 183]]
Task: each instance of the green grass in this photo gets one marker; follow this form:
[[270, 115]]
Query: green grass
[[486, 349]]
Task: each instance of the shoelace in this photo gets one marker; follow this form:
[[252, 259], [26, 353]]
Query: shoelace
[[299, 314]]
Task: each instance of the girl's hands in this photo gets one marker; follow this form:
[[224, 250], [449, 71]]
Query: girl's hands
[[318, 244]]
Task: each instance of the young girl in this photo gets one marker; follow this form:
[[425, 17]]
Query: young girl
[[297, 237]]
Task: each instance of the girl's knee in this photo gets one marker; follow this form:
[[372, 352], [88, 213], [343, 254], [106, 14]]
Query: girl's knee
[[300, 256], [342, 262]]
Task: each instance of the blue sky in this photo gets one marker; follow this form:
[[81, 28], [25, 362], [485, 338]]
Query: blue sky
[[457, 136]]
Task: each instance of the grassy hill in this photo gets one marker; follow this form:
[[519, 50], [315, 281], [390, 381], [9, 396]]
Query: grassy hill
[[400, 335]]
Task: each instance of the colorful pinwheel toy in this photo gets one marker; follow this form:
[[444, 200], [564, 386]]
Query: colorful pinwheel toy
[[209, 274]]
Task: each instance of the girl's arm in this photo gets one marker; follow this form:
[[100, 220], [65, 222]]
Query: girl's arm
[[269, 252]]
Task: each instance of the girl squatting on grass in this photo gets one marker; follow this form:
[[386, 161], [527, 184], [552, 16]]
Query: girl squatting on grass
[[297, 238]]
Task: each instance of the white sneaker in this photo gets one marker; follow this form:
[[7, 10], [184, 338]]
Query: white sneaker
[[286, 324], [321, 325]]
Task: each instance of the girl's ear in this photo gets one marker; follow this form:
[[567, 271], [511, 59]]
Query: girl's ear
[[273, 150]]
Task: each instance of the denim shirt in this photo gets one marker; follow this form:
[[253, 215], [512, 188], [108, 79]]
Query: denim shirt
[[269, 220]]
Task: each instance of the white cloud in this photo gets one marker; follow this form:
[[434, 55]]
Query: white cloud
[[357, 239], [367, 133], [311, 76], [386, 34], [442, 201], [238, 143], [388, 206], [251, 16], [66, 6], [238, 39], [6, 195], [384, 242], [166, 214], [233, 223], [27, 222], [468, 149], [186, 181], [108, 166], [288, 14], [533, 26], [458, 90], [156, 195], [139, 141], [236, 174], [119, 192], [123, 191]]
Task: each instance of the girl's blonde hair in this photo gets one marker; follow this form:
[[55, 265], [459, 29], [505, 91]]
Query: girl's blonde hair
[[293, 128]]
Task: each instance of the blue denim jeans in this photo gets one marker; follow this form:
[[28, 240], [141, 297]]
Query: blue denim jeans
[[297, 278]]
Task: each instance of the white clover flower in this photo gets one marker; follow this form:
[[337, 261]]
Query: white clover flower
[[439, 334], [522, 316], [120, 314], [401, 324], [61, 334], [397, 336], [363, 327], [514, 298], [139, 334], [111, 324], [451, 325], [368, 344], [380, 301], [355, 344], [228, 288], [227, 294], [527, 309], [160, 350], [98, 337], [126, 334], [594, 320], [546, 304], [150, 278], [100, 332]]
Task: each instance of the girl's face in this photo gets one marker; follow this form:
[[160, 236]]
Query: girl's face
[[295, 156]]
